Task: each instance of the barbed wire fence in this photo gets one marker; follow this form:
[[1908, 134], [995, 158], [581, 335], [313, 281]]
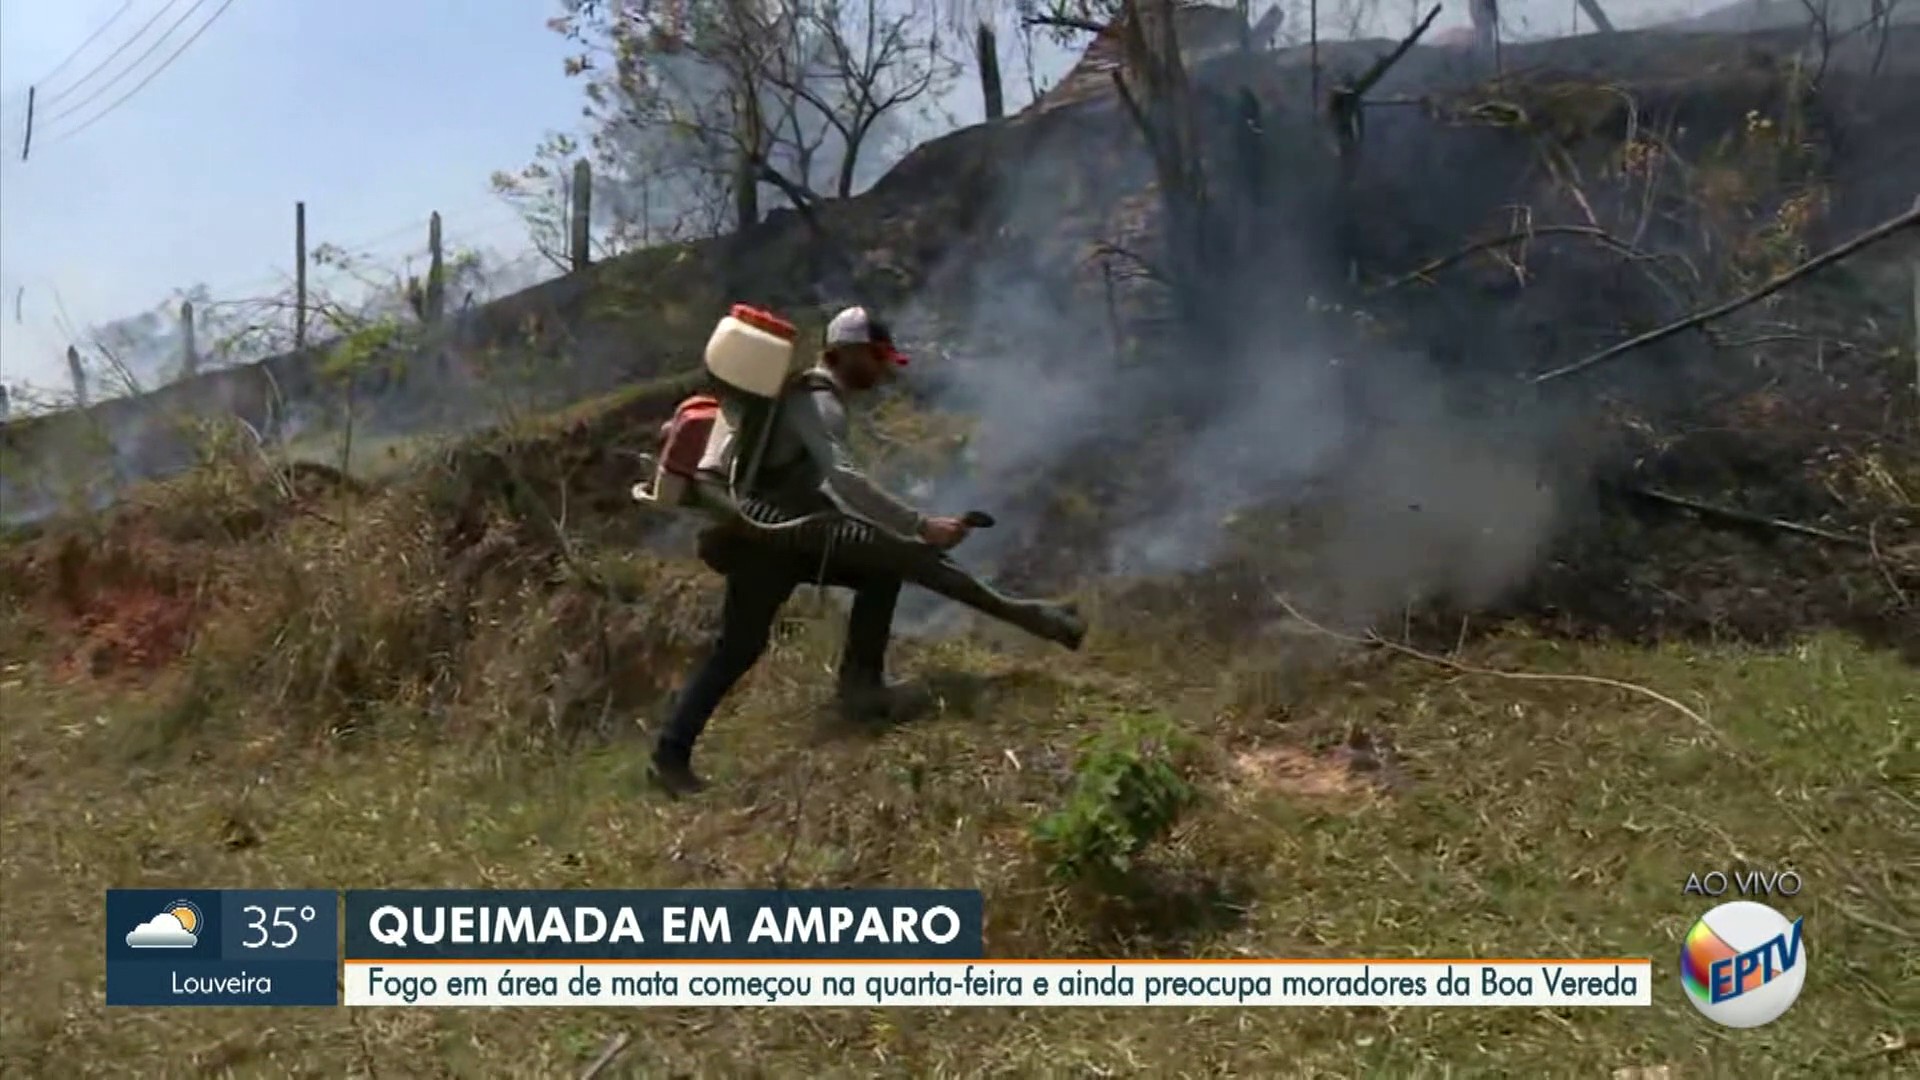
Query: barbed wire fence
[[276, 312]]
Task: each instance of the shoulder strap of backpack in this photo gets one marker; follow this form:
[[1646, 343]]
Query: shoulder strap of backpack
[[759, 416], [815, 379]]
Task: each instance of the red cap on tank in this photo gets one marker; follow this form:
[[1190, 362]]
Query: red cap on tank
[[762, 319]]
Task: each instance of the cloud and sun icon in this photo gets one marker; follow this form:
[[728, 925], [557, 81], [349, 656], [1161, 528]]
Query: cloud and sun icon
[[176, 927]]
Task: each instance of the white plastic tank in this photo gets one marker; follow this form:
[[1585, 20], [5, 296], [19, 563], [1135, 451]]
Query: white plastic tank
[[753, 351]]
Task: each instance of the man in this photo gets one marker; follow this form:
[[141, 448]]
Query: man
[[804, 469]]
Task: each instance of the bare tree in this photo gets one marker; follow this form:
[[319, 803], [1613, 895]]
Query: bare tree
[[1154, 88], [856, 63], [1820, 37], [694, 108], [1826, 32], [697, 90], [672, 115], [812, 81], [655, 181], [1882, 20]]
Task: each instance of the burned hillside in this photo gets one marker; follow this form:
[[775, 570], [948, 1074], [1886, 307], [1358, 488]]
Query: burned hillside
[[1340, 369], [1392, 305]]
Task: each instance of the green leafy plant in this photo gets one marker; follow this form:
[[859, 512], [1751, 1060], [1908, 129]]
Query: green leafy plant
[[1128, 793]]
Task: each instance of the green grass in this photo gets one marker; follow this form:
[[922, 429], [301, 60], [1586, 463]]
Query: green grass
[[1529, 818]]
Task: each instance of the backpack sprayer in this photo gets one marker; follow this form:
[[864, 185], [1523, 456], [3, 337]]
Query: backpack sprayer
[[752, 355], [751, 352]]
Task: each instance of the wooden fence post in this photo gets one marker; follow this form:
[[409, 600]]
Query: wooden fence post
[[299, 275], [1313, 51], [79, 375], [579, 235], [436, 271], [189, 352], [986, 49]]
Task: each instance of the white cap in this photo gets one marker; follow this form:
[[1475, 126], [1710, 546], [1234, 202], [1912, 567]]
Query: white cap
[[856, 326]]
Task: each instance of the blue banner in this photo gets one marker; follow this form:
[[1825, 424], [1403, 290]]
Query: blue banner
[[664, 924], [223, 947]]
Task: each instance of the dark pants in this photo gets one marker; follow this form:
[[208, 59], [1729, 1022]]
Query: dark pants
[[757, 586]]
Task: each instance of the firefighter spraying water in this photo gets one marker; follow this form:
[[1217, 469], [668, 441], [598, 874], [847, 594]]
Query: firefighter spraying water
[[766, 459]]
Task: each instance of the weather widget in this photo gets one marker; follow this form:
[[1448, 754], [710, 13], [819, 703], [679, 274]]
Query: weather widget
[[223, 947]]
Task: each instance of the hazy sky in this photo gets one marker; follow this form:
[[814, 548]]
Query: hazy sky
[[375, 112]]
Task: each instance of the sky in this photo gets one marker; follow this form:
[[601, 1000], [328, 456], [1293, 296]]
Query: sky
[[374, 112]]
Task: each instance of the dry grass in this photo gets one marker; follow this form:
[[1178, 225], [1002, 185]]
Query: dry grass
[[1397, 808]]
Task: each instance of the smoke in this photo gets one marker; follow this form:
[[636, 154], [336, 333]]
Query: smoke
[[1434, 511], [1411, 488], [1276, 427], [1033, 381]]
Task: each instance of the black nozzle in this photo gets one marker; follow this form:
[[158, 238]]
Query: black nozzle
[[978, 519]]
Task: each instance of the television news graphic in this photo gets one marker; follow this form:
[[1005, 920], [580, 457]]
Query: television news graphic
[[1037, 983], [1746, 883], [855, 947], [223, 947], [524, 945], [1743, 964]]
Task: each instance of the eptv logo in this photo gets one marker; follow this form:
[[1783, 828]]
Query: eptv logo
[[1743, 964]]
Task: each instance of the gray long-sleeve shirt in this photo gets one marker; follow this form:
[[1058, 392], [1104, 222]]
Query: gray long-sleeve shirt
[[807, 465]]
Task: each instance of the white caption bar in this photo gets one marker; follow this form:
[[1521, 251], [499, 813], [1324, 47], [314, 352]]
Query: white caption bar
[[951, 983]]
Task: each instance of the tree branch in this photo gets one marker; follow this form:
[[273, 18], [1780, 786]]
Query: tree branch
[[1384, 64], [1064, 22], [1425, 270], [798, 194], [1741, 517], [1374, 640], [1133, 110], [1866, 239], [1593, 11]]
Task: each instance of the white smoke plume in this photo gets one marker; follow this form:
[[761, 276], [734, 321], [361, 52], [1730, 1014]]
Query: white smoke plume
[[1412, 496]]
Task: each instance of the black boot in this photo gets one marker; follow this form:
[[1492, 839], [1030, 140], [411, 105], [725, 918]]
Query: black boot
[[674, 773], [1061, 624], [866, 697]]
